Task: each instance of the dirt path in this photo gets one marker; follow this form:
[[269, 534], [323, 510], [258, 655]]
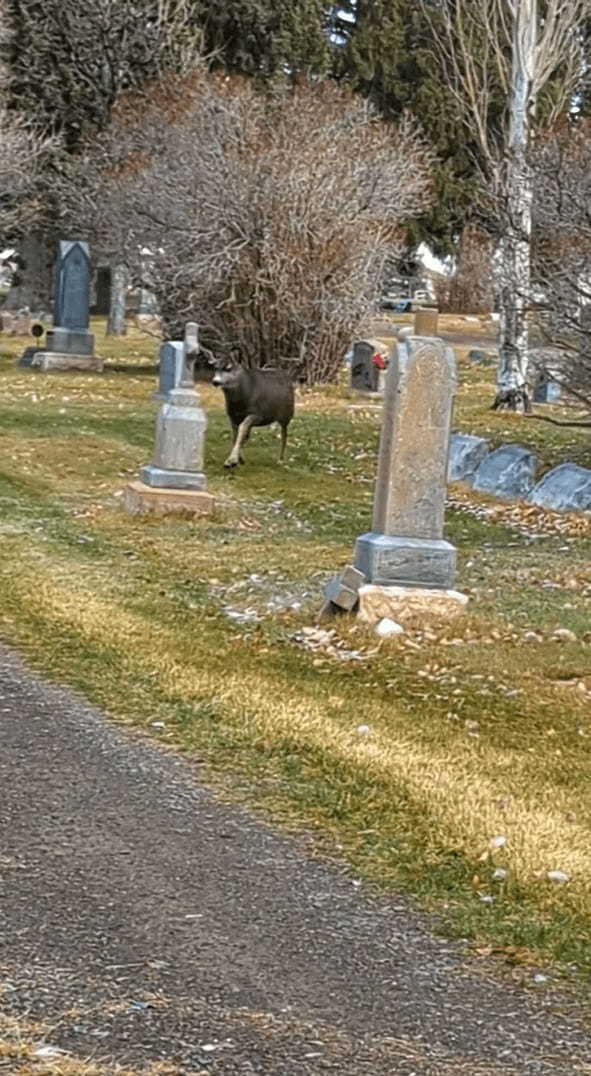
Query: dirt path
[[149, 921]]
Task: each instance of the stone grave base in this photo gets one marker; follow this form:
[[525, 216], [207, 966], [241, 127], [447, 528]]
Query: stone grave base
[[413, 562], [140, 500], [59, 360], [162, 478], [403, 604]]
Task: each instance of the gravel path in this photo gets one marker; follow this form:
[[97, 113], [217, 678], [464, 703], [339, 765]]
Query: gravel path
[[148, 921]]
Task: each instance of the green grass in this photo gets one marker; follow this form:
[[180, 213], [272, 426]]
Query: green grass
[[134, 613]]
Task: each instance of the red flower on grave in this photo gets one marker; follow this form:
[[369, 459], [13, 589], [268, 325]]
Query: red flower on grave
[[379, 361]]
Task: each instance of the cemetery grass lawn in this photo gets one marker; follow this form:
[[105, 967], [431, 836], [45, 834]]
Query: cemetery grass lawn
[[475, 734]]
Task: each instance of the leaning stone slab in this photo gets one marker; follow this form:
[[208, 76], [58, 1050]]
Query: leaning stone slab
[[466, 453], [566, 488], [342, 590], [508, 473], [141, 500], [405, 604]]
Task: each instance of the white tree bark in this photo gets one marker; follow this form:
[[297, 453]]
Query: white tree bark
[[117, 322], [512, 391]]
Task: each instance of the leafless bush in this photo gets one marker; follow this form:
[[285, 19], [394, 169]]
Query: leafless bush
[[269, 216], [23, 154], [562, 252], [470, 289]]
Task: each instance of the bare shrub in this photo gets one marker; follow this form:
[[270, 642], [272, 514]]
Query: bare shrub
[[269, 216], [562, 252], [23, 153], [470, 289]]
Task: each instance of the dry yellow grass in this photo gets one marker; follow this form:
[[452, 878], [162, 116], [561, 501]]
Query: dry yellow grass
[[471, 738]]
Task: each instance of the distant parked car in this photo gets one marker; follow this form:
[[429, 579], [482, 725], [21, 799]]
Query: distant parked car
[[395, 303]]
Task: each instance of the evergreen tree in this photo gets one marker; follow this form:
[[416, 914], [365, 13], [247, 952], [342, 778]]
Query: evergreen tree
[[386, 54], [266, 38]]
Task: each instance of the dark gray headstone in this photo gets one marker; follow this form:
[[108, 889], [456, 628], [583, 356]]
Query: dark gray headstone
[[72, 285], [509, 472], [365, 375], [566, 488], [466, 453]]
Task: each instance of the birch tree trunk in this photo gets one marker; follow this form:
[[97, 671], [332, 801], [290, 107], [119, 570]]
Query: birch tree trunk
[[512, 388], [117, 323]]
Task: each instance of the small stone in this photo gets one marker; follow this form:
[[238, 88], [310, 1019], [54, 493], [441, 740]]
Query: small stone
[[486, 898], [560, 877], [386, 627], [539, 978], [497, 842], [158, 725], [532, 637], [565, 635], [472, 726], [364, 730], [499, 875]]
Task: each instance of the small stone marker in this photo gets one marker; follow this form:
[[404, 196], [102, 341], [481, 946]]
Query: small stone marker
[[509, 472], [343, 589], [172, 361], [175, 481], [70, 344], [426, 321], [365, 372], [466, 453], [566, 488], [406, 545], [547, 390]]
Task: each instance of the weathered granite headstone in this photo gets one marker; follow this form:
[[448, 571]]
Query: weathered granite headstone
[[466, 453], [175, 480], [406, 545], [70, 344], [172, 361], [566, 488], [509, 472]]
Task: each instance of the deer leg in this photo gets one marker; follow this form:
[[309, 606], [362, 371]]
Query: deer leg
[[243, 431], [283, 443], [235, 429]]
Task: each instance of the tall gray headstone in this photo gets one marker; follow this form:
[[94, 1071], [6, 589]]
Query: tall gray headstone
[[405, 546], [180, 430], [70, 344]]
